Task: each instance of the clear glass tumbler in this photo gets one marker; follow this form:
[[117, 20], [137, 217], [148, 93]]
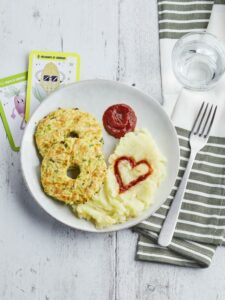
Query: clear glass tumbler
[[198, 60]]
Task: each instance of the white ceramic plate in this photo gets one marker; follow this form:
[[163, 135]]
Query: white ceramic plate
[[95, 96]]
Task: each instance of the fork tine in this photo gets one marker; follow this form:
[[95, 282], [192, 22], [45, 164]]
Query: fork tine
[[206, 121], [200, 118], [195, 126], [203, 116], [210, 123]]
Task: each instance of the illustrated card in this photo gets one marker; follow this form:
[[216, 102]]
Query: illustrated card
[[47, 72], [12, 107]]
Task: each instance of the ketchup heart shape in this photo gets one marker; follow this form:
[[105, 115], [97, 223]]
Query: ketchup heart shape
[[124, 187]]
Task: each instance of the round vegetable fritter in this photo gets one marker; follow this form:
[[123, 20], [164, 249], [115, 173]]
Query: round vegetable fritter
[[80, 154], [64, 123]]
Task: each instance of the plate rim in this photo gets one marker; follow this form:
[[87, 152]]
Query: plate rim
[[125, 225]]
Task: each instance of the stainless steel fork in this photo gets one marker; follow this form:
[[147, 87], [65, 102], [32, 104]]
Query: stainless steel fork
[[198, 139]]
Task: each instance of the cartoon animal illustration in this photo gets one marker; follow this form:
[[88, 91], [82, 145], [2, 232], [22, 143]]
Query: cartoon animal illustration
[[19, 104]]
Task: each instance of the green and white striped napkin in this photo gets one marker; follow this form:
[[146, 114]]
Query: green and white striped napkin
[[201, 224]]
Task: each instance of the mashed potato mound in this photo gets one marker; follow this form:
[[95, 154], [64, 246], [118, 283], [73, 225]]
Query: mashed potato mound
[[109, 206]]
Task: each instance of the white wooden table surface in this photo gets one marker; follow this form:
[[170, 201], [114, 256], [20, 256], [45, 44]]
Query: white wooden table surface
[[39, 257]]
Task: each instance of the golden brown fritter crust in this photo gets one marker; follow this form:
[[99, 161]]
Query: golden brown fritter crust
[[66, 154], [64, 123]]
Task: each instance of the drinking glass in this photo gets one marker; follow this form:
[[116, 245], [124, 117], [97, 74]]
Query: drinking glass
[[198, 60]]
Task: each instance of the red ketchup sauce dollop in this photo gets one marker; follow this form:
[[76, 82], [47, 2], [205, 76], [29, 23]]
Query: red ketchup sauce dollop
[[119, 119], [124, 187]]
